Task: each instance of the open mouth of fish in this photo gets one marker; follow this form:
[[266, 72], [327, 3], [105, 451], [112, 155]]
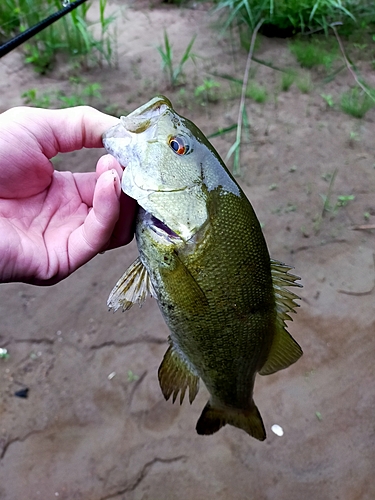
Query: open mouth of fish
[[159, 227]]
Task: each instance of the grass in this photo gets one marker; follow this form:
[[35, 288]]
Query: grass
[[256, 92], [207, 92], [356, 102], [313, 52], [71, 35], [82, 93], [292, 15], [287, 80], [174, 72], [304, 83], [328, 99]]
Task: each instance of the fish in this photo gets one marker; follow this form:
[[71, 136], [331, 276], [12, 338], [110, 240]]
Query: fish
[[204, 258]]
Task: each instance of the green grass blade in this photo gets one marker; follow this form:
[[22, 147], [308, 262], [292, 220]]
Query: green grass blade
[[223, 131]]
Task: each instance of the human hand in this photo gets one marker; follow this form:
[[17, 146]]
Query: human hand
[[51, 222]]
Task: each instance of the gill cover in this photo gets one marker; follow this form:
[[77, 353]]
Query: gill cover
[[163, 165]]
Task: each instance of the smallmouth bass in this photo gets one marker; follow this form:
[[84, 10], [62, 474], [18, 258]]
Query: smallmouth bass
[[204, 258]]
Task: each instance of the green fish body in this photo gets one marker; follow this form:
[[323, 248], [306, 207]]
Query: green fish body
[[204, 258]]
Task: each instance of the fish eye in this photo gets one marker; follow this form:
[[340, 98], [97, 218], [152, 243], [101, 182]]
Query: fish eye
[[179, 145]]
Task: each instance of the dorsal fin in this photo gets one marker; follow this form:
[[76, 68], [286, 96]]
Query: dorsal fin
[[133, 287], [175, 375], [284, 350]]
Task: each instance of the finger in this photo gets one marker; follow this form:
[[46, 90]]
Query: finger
[[76, 128], [86, 181], [93, 235], [59, 130], [108, 162], [124, 229]]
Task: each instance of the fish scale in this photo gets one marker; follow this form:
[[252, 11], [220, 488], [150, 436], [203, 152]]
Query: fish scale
[[204, 258]]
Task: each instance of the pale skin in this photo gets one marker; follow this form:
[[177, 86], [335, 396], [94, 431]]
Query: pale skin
[[51, 222]]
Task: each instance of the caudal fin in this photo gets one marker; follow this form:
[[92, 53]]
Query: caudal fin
[[213, 418]]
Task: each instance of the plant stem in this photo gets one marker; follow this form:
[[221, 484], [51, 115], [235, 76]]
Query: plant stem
[[237, 143], [349, 65]]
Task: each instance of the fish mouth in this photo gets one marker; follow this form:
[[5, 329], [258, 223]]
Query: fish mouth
[[159, 227]]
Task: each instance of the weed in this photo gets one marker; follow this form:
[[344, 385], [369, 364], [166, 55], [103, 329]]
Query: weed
[[312, 53], [31, 97], [366, 216], [288, 15], [82, 94], [343, 200], [174, 73], [356, 102], [256, 92], [287, 79], [304, 83], [326, 201], [207, 92], [328, 99]]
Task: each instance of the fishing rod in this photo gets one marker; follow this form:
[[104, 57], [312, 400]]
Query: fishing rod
[[37, 28]]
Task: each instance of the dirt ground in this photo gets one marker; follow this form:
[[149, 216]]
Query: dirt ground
[[95, 425]]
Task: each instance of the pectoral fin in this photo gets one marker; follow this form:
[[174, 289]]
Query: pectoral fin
[[175, 376], [284, 350], [133, 287]]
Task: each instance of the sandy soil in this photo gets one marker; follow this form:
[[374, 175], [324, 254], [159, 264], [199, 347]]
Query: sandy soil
[[95, 425]]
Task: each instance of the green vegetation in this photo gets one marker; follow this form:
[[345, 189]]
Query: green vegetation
[[328, 99], [71, 35], [328, 207], [207, 91], [174, 73], [310, 53], [304, 83], [293, 15], [356, 102], [256, 92], [83, 93], [287, 79]]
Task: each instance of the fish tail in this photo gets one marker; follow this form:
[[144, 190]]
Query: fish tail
[[213, 418]]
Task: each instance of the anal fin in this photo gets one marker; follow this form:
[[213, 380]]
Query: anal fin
[[175, 376], [133, 287], [213, 418]]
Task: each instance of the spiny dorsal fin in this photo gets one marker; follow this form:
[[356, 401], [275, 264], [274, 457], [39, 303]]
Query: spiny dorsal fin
[[284, 349], [133, 287], [175, 376]]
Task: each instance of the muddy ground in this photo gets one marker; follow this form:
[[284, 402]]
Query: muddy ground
[[95, 425]]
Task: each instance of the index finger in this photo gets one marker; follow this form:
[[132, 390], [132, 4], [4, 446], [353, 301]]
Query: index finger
[[59, 130]]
